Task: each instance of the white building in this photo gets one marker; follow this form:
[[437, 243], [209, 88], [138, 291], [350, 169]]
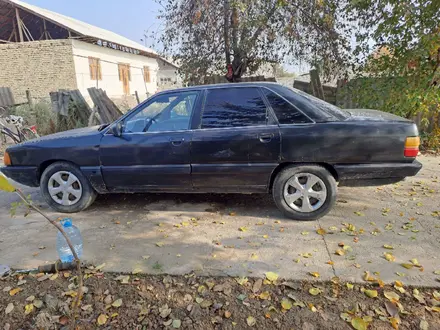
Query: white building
[[44, 51]]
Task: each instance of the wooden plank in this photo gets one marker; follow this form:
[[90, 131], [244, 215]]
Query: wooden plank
[[102, 109], [6, 97], [19, 24]]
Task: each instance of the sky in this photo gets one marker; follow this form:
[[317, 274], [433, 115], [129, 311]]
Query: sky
[[129, 18]]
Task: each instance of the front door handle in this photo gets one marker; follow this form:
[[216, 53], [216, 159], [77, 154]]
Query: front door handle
[[265, 137], [177, 142]]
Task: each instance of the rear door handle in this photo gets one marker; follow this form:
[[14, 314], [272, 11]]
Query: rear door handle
[[177, 142], [265, 137]]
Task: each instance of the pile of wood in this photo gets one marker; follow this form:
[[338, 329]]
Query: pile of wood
[[73, 110], [107, 110]]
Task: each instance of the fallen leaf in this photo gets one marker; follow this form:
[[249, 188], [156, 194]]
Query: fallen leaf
[[176, 324], [315, 291], [254, 256], [359, 324], [349, 286], [123, 278], [389, 247], [286, 304], [117, 303], [371, 293], [54, 277], [242, 280], [5, 185], [243, 229], [346, 317], [415, 262], [330, 262], [9, 308], [312, 307], [360, 214], [228, 314], [392, 296], [407, 266], [251, 321], [13, 292], [398, 284], [28, 309], [391, 308], [102, 319], [389, 257], [160, 244], [257, 285], [423, 325], [264, 295], [314, 274], [271, 276], [321, 231], [136, 271], [145, 257], [304, 233], [265, 236], [437, 272], [38, 303], [340, 252]]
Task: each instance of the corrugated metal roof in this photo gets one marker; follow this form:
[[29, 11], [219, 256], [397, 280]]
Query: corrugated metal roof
[[82, 28]]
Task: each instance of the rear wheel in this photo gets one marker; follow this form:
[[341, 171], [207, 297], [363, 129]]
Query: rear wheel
[[306, 192], [65, 188]]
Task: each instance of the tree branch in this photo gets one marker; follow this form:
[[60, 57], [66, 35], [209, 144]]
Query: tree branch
[[69, 242], [226, 32]]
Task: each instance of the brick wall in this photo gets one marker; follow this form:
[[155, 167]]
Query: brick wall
[[40, 66]]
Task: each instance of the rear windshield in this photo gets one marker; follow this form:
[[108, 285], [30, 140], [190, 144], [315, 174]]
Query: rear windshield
[[316, 108]]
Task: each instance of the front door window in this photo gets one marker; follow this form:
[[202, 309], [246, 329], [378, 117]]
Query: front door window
[[167, 112]]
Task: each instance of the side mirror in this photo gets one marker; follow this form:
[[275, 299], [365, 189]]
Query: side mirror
[[117, 129]]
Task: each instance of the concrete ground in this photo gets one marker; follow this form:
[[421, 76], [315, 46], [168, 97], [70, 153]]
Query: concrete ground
[[245, 234]]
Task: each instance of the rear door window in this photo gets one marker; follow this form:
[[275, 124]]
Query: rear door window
[[285, 112], [234, 107]]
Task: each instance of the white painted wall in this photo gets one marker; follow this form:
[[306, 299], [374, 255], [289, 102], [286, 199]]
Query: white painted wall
[[168, 77], [109, 67]]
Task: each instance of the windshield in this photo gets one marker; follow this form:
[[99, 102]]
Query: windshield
[[324, 106]]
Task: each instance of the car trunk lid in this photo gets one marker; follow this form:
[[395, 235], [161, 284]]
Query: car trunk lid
[[373, 115]]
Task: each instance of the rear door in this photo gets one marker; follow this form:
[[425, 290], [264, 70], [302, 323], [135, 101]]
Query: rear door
[[236, 145]]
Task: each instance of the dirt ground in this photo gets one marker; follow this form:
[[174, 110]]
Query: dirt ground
[[191, 302], [245, 235]]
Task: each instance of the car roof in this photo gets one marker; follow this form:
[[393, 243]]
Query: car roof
[[229, 85]]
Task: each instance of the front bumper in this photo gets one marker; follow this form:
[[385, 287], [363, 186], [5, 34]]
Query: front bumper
[[375, 174], [25, 175]]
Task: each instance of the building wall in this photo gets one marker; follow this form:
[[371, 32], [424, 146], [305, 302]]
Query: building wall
[[40, 66], [109, 59], [168, 77]]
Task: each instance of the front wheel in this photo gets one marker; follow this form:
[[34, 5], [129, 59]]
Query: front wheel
[[305, 192], [65, 188]]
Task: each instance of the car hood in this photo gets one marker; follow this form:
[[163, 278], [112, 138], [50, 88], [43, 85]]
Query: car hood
[[373, 115], [74, 133]]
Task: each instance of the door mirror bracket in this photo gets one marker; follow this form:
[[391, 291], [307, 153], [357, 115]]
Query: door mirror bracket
[[117, 129]]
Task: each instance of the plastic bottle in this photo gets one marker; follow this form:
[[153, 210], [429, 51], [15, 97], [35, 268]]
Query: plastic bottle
[[74, 234]]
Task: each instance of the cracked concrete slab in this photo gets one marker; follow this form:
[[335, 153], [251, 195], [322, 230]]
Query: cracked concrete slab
[[177, 234]]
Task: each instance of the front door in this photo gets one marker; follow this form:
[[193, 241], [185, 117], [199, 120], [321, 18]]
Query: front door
[[153, 152], [124, 76], [237, 145]]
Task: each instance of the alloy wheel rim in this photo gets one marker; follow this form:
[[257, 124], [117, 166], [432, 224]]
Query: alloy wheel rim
[[65, 188], [305, 192]]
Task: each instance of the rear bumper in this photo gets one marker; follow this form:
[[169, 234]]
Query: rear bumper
[[26, 175], [375, 174]]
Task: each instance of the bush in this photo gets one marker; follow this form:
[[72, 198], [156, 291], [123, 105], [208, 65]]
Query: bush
[[42, 116]]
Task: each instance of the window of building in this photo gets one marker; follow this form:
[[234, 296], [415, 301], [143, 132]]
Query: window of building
[[124, 71], [234, 107], [95, 68], [285, 112], [147, 77]]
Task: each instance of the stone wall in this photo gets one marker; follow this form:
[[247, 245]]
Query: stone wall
[[40, 66]]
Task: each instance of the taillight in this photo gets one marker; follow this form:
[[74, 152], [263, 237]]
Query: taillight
[[412, 144], [7, 159]]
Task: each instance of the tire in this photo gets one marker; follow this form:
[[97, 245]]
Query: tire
[[80, 192], [283, 189]]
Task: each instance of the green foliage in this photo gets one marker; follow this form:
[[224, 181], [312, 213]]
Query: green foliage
[[42, 116], [205, 36], [16, 205], [398, 58]]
